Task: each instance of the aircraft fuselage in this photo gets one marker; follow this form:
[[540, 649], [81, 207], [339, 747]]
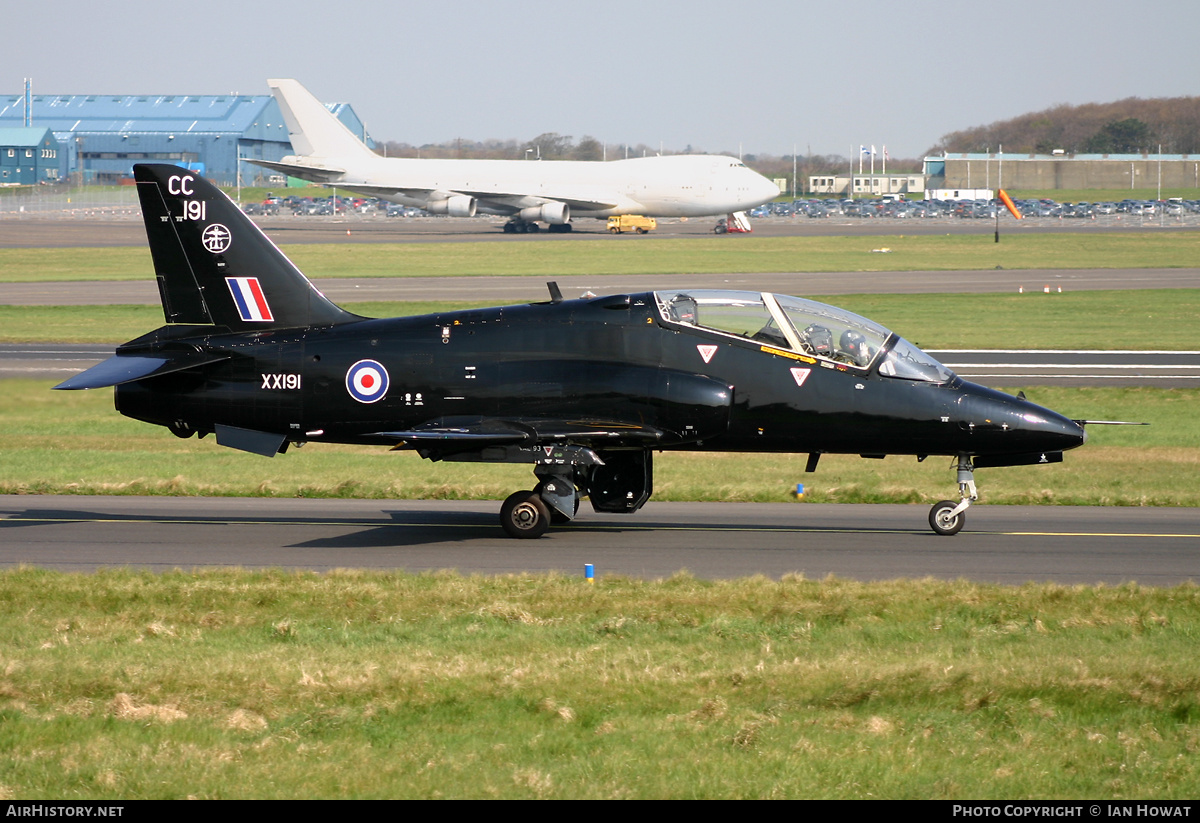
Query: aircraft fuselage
[[604, 362]]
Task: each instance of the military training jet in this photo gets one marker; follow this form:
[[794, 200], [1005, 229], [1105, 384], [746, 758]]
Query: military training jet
[[585, 391]]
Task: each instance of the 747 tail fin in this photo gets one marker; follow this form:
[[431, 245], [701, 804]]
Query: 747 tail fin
[[214, 266], [313, 130]]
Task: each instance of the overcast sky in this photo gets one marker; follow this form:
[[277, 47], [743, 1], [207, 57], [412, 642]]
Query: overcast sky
[[764, 76]]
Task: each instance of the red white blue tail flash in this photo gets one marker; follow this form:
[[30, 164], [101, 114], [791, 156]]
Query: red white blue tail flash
[[248, 295]]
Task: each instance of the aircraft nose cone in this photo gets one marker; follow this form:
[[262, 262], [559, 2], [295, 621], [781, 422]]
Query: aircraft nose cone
[[765, 191], [1052, 431], [1011, 424]]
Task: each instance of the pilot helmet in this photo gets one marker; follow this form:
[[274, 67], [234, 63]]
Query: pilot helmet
[[819, 339], [683, 309], [855, 345]]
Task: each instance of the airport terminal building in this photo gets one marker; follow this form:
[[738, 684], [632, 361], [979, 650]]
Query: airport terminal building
[[98, 137]]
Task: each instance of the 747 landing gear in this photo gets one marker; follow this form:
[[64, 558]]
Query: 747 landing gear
[[519, 226], [947, 517]]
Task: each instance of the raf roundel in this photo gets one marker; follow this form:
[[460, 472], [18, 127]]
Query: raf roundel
[[367, 381]]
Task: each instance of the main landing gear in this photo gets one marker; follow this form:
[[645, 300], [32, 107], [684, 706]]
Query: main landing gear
[[525, 515], [947, 517], [519, 226], [554, 501], [617, 482]]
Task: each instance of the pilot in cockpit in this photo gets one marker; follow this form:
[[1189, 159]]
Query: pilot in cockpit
[[853, 348]]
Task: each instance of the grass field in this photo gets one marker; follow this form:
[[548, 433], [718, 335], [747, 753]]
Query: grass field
[[1149, 319], [658, 255], [237, 684]]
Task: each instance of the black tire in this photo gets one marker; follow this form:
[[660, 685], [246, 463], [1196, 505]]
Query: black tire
[[940, 521], [641, 230], [525, 515]]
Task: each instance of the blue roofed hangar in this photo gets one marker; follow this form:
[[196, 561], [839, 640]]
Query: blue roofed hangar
[[98, 137]]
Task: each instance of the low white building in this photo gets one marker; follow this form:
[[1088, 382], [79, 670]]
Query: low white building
[[866, 184]]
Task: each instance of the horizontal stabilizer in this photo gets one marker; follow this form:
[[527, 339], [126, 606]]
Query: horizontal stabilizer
[[126, 368], [306, 171]]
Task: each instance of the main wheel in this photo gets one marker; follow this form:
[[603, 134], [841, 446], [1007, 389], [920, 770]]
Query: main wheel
[[940, 520], [525, 515]]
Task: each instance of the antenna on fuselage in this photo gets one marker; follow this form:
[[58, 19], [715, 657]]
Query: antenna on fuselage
[[555, 292]]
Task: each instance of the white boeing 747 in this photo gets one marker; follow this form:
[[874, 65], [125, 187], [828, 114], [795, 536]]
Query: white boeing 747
[[529, 192]]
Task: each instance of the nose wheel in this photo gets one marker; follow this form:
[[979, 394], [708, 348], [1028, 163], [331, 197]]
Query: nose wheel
[[943, 520], [947, 517]]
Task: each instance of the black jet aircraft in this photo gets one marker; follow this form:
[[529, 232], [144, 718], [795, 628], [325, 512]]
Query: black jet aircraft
[[585, 391]]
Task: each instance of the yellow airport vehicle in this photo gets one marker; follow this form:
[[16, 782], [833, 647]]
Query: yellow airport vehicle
[[631, 222]]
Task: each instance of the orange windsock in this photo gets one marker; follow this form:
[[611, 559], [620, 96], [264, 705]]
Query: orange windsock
[[1009, 204]]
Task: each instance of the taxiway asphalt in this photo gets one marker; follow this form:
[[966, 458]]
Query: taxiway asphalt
[[1000, 544]]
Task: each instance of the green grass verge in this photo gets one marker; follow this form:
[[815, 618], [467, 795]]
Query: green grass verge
[[238, 684], [1149, 319], [1101, 195], [76, 443], [660, 255]]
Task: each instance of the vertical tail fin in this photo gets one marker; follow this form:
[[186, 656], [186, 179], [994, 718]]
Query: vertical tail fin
[[313, 130], [214, 266]]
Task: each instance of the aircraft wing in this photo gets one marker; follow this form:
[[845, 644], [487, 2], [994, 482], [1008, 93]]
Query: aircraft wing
[[452, 437], [576, 200], [504, 202]]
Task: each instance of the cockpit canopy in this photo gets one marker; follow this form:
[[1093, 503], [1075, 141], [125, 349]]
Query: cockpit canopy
[[807, 327]]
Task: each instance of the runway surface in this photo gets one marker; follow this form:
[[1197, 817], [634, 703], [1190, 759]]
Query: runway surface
[[1001, 544]]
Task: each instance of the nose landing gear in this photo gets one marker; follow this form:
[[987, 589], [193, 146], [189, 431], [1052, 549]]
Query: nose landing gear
[[947, 517]]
